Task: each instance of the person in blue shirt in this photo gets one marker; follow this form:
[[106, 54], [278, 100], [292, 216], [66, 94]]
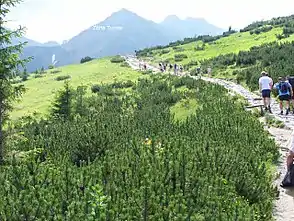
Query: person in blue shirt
[[285, 93]]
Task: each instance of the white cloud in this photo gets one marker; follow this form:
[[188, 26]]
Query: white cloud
[[62, 19]]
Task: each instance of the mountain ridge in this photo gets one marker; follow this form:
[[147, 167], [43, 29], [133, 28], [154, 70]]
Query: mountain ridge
[[122, 32]]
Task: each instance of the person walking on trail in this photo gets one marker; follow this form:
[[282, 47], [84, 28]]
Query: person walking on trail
[[285, 93], [265, 87], [209, 71], [160, 67], [181, 68], [290, 157], [291, 81], [175, 69], [199, 71], [178, 70], [288, 179]]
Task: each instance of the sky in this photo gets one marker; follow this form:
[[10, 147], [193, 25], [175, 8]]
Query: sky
[[58, 20]]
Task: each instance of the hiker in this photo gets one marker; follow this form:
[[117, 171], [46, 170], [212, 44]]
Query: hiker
[[164, 67], [170, 67], [145, 66], [181, 68], [291, 81], [285, 93], [290, 157], [160, 67], [175, 69], [198, 70], [209, 71], [265, 87], [288, 180]]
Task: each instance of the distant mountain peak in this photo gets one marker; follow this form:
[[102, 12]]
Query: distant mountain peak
[[123, 12], [121, 17], [122, 32], [172, 18]]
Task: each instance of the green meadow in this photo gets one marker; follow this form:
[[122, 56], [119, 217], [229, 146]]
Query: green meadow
[[40, 92], [231, 44]]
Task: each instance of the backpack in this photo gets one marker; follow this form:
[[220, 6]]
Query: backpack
[[288, 180], [291, 81], [284, 87]]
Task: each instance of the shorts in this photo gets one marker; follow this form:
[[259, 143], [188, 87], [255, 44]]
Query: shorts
[[284, 97], [266, 93]]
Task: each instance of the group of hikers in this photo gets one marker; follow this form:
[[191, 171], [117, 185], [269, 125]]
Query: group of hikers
[[175, 67], [284, 86], [199, 71]]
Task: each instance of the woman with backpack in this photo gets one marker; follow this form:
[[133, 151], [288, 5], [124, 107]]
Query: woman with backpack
[[285, 93]]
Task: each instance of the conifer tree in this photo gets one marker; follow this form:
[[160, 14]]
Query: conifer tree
[[63, 102], [9, 62]]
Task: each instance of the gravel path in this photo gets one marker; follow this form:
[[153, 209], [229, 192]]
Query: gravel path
[[284, 205]]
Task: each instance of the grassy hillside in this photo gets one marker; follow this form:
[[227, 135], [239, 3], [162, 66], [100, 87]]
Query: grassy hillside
[[198, 51], [232, 44], [41, 91], [240, 56]]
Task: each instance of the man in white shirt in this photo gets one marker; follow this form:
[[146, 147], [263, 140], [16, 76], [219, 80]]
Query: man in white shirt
[[265, 87]]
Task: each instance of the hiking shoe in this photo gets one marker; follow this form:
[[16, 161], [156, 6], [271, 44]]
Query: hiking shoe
[[265, 108], [270, 110], [281, 113], [287, 111]]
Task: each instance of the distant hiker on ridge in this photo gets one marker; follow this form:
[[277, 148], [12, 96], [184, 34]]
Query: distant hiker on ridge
[[265, 87], [198, 70], [209, 71], [175, 69], [181, 68], [285, 93]]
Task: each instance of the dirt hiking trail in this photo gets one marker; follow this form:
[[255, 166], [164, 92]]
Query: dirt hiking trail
[[284, 205]]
